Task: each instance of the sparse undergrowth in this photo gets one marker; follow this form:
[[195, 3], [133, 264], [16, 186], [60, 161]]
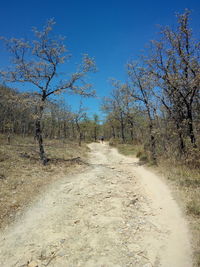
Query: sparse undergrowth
[[23, 177], [130, 150], [186, 183]]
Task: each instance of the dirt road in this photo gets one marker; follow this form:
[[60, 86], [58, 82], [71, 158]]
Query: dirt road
[[115, 213]]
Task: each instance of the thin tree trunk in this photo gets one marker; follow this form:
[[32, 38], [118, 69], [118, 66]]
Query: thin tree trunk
[[38, 135], [181, 141], [132, 131], [152, 137], [113, 131], [190, 128], [122, 128], [79, 131], [73, 132], [152, 142], [122, 132], [80, 138], [8, 138], [65, 130], [95, 134]]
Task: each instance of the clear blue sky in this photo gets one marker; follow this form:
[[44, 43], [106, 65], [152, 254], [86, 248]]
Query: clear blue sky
[[111, 31]]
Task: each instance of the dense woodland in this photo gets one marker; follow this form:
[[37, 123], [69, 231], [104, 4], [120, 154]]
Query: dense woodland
[[157, 106]]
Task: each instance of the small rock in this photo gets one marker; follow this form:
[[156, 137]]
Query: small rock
[[33, 264], [2, 177], [61, 253], [43, 254]]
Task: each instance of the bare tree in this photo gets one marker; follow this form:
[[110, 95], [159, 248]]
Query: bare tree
[[140, 90], [78, 118], [162, 95], [174, 62], [37, 63]]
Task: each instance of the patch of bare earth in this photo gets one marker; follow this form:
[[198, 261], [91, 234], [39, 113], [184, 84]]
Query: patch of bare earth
[[114, 213]]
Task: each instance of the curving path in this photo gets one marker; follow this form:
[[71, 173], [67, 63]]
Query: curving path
[[115, 213]]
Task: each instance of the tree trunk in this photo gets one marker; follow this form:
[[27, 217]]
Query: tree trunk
[[132, 131], [152, 137], [95, 133], [122, 128], [113, 131], [190, 127], [181, 140], [80, 138], [8, 138], [132, 135], [65, 130], [38, 135], [152, 142], [122, 132], [79, 132]]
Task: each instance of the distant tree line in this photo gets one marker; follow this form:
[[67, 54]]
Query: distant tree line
[[159, 104], [18, 112]]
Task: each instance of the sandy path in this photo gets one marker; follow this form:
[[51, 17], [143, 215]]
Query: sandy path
[[115, 213]]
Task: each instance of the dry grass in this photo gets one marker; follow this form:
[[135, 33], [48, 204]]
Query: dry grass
[[125, 149], [131, 150], [23, 177]]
